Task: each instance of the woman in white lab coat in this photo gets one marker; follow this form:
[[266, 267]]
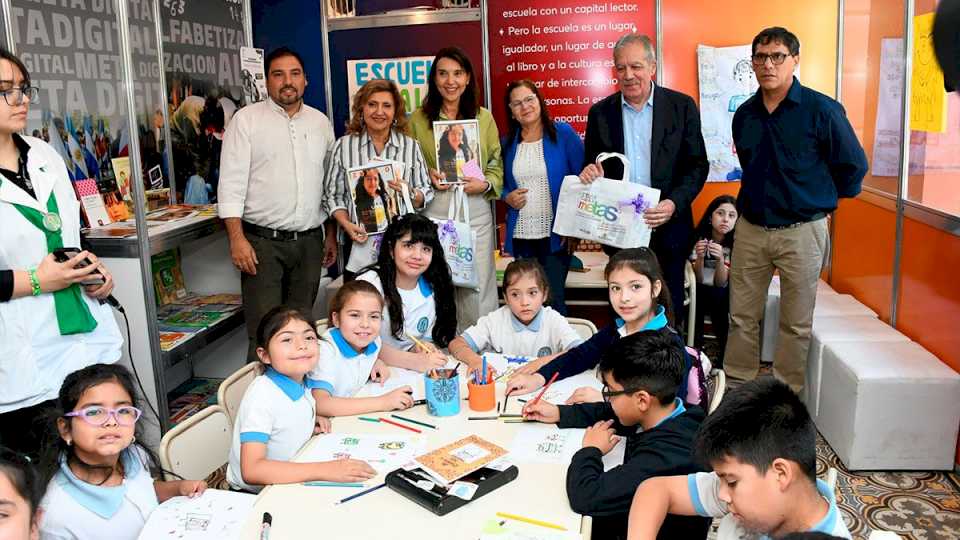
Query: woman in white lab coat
[[50, 325]]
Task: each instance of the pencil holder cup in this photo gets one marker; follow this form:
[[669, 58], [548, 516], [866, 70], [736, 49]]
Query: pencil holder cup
[[482, 397], [443, 394]]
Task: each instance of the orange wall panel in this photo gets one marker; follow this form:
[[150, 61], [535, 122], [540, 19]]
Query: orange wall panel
[[863, 239]]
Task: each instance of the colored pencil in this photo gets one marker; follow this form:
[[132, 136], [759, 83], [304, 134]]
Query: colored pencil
[[483, 372], [483, 417], [364, 492], [521, 400], [419, 402], [544, 391], [398, 424], [531, 521], [412, 421], [368, 419], [498, 407], [333, 484], [511, 415], [515, 421]]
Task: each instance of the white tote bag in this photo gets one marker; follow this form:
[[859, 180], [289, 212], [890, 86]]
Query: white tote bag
[[459, 241], [606, 211]]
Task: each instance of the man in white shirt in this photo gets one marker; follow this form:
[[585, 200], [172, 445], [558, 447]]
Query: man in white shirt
[[271, 195]]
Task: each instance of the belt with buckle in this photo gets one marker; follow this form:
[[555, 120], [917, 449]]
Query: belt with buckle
[[815, 217], [277, 234]]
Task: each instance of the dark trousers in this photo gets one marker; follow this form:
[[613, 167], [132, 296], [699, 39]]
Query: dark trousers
[[24, 430], [555, 263], [713, 301], [288, 273]]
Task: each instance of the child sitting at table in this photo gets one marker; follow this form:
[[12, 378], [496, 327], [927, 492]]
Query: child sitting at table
[[348, 356], [641, 374], [523, 327], [277, 414], [761, 444]]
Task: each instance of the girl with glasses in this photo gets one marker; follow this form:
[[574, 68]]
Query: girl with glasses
[[101, 479]]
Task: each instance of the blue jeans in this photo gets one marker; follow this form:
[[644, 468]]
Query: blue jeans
[[555, 263]]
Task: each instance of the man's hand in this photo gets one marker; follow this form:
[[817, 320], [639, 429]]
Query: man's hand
[[659, 214], [329, 250], [243, 255]]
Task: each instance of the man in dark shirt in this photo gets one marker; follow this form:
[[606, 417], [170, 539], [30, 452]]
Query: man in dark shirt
[[799, 154]]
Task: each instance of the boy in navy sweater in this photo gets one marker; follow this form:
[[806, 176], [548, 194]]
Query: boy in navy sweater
[[641, 375]]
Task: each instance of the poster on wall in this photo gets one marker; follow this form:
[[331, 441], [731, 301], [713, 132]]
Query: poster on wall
[[726, 81], [252, 75], [929, 151], [928, 98], [410, 73], [73, 56], [565, 47], [201, 49]]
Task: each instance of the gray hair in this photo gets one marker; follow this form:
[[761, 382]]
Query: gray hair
[[631, 39]]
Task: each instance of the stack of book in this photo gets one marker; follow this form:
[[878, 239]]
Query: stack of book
[[192, 397], [190, 314]]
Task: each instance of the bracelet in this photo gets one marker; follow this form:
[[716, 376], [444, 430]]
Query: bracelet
[[34, 282]]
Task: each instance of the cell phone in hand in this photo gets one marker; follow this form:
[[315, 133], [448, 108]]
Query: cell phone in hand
[[62, 255]]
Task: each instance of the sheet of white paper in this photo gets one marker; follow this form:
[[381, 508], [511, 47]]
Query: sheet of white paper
[[517, 530], [560, 390], [214, 515], [383, 452], [399, 377], [543, 443]]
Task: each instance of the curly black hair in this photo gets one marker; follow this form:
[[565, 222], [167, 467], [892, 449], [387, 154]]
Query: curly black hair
[[437, 275]]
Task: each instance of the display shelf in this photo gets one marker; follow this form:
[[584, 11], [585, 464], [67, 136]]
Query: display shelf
[[202, 338], [163, 236]]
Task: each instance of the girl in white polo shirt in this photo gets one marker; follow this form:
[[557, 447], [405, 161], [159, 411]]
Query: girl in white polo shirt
[[101, 483], [348, 356], [276, 417], [415, 281], [523, 327]]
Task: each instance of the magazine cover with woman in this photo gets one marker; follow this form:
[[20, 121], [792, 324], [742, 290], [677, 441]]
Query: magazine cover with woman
[[458, 149], [374, 205]]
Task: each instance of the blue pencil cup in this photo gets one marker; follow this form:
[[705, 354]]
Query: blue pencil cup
[[443, 394]]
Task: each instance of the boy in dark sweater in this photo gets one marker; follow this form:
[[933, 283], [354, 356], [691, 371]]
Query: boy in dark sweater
[[641, 375]]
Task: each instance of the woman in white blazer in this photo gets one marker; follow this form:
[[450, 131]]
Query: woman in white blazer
[[50, 325]]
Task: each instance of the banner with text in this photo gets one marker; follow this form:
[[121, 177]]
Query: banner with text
[[565, 47], [410, 73]]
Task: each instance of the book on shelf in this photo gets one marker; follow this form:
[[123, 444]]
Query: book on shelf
[[168, 277], [169, 340], [94, 209], [195, 319]]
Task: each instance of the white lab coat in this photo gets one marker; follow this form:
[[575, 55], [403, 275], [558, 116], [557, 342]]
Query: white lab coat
[[34, 357]]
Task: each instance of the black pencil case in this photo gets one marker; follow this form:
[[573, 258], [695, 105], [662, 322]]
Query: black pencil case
[[436, 499]]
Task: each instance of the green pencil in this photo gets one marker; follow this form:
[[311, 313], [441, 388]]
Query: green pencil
[[368, 419], [412, 421]]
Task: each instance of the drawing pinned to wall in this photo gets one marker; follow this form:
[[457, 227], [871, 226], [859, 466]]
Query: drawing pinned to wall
[[928, 98], [214, 515], [726, 81]]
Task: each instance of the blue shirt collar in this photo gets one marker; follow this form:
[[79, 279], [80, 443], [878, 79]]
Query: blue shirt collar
[[534, 325], [104, 501], [425, 288], [649, 103], [677, 411], [290, 387], [656, 323], [346, 349], [829, 522]]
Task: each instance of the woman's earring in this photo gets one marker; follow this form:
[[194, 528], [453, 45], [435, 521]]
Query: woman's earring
[[69, 442]]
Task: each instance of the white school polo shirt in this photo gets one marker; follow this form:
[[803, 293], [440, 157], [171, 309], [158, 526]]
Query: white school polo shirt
[[704, 489], [74, 509], [342, 370], [419, 312], [276, 411], [500, 331]]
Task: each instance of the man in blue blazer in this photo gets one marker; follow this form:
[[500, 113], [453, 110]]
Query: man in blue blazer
[[658, 130]]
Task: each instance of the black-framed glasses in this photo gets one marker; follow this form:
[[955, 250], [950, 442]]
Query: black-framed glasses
[[95, 415], [760, 59], [15, 96], [607, 393]]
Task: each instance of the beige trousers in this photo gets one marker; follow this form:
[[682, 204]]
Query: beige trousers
[[797, 253]]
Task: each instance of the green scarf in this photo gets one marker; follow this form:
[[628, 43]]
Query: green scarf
[[73, 315]]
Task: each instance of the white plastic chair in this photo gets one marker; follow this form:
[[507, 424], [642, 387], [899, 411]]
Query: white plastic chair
[[690, 300], [197, 446], [231, 390], [719, 381], [321, 325], [585, 328]]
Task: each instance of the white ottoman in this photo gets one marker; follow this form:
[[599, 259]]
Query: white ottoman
[[889, 406], [827, 330], [771, 316]]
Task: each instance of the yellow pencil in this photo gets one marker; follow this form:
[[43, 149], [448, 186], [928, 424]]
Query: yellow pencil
[[531, 521], [421, 344]]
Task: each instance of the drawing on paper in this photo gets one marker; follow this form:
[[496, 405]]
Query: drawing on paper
[[197, 522]]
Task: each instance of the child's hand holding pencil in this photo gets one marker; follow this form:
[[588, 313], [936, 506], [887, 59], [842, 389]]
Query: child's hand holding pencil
[[541, 411]]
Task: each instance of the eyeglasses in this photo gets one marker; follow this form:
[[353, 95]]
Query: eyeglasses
[[760, 59], [96, 415], [15, 96], [607, 393], [529, 100]]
